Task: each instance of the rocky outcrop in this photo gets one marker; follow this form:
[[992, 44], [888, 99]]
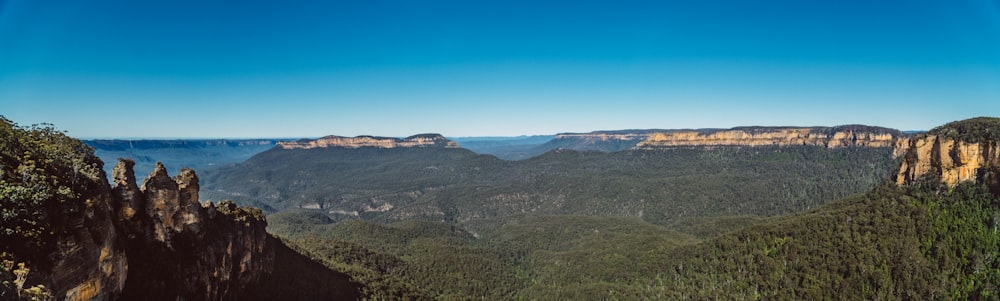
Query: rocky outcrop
[[423, 140], [156, 241], [954, 161], [816, 136], [178, 248]]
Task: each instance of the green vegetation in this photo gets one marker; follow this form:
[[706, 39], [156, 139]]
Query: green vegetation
[[43, 174], [973, 130], [666, 187], [914, 242], [894, 243], [393, 261]]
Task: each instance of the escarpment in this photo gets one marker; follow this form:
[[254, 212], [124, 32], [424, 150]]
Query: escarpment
[[423, 140], [956, 152], [834, 137]]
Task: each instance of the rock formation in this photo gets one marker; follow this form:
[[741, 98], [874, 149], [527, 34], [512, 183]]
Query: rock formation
[[423, 140], [826, 137], [966, 150], [90, 261], [156, 241], [952, 160], [177, 247]]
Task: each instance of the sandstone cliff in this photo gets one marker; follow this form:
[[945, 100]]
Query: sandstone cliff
[[842, 136], [959, 151], [423, 140]]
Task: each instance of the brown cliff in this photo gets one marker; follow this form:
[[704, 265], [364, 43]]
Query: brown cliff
[[834, 137], [423, 140], [953, 161], [966, 150]]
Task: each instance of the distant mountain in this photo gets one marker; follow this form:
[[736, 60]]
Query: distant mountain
[[507, 148], [199, 154], [612, 141]]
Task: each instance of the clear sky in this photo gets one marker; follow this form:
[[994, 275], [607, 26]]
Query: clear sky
[[184, 68]]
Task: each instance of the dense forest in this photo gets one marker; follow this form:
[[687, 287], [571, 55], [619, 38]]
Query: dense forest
[[915, 242], [670, 187]]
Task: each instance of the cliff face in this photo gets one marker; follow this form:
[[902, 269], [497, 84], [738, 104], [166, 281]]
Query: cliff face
[[827, 137], [424, 140], [89, 261], [952, 160]]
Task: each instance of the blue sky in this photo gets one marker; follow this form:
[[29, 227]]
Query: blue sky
[[184, 68]]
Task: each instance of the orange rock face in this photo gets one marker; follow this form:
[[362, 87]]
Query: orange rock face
[[954, 161], [776, 137]]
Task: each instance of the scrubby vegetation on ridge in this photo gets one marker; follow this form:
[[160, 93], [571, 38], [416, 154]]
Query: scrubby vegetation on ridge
[[974, 130], [42, 173]]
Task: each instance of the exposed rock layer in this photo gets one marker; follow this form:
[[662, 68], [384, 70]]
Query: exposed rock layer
[[953, 161], [826, 137], [423, 140]]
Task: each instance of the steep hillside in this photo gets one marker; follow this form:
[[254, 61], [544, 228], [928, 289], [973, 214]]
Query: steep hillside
[[66, 233]]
